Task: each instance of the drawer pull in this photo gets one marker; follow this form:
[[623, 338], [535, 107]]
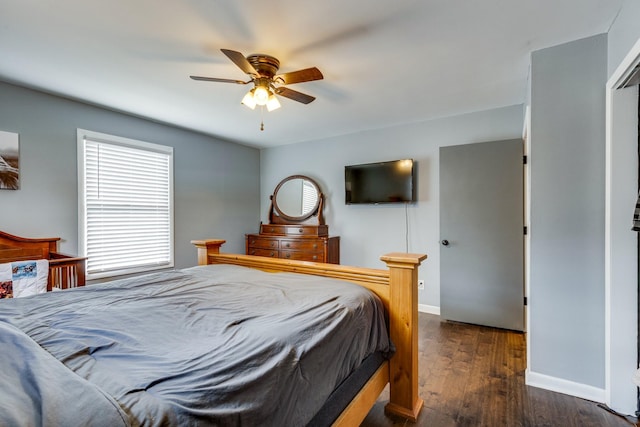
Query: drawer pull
[[287, 255], [315, 246], [272, 253], [272, 244], [273, 230], [315, 257], [301, 230], [287, 245]]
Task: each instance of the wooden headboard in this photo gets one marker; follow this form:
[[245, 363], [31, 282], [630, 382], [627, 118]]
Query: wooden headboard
[[65, 271]]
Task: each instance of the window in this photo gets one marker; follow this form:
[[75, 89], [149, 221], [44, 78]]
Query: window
[[309, 197], [125, 204]]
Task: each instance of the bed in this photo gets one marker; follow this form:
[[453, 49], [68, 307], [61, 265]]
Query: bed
[[397, 287], [92, 359]]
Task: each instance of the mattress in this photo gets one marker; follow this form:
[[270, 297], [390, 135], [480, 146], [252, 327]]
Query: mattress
[[209, 345]]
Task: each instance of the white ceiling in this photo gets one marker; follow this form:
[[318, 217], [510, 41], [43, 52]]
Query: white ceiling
[[385, 62]]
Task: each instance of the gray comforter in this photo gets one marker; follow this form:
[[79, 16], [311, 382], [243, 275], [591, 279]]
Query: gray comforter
[[210, 345]]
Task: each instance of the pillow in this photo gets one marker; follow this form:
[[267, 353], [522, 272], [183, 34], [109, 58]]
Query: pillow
[[23, 278]]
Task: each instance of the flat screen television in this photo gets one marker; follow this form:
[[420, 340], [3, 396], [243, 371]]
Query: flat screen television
[[382, 182]]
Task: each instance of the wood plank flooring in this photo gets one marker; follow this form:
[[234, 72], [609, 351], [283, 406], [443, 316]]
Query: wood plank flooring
[[474, 376]]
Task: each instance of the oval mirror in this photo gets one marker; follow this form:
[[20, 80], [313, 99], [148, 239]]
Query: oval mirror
[[296, 197]]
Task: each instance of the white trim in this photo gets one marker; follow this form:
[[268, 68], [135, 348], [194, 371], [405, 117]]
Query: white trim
[[607, 244], [618, 393], [430, 309], [560, 385], [526, 212]]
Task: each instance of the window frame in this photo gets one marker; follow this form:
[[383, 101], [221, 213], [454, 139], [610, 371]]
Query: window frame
[[82, 136]]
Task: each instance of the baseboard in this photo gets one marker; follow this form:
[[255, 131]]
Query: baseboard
[[560, 385], [431, 309]]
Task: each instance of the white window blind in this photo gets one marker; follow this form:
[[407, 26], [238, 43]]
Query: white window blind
[[126, 204], [309, 197]]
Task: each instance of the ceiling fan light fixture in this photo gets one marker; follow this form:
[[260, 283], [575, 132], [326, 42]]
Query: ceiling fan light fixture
[[273, 103], [262, 70], [261, 95], [249, 99]]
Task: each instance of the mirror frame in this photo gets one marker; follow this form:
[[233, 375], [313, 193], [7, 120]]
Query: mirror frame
[[278, 216]]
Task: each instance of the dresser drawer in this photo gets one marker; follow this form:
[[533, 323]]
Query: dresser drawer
[[305, 231], [263, 252], [303, 256], [277, 230], [311, 245], [262, 242], [294, 230]]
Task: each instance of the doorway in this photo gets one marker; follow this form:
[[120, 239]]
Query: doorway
[[621, 257]]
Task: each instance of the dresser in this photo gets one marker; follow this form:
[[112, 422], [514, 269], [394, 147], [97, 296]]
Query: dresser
[[296, 228], [298, 242]]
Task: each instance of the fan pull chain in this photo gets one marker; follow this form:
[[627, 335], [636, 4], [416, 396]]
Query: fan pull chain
[[261, 118]]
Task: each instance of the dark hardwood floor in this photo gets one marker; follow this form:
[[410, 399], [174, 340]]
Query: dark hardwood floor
[[474, 376]]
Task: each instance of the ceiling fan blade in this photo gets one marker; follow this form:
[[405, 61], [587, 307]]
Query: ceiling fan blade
[[295, 95], [306, 75], [239, 59], [215, 79]]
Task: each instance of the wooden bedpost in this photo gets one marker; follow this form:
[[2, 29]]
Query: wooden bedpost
[[206, 247], [403, 324]]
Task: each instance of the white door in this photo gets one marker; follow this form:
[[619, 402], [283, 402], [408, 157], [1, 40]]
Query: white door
[[482, 234]]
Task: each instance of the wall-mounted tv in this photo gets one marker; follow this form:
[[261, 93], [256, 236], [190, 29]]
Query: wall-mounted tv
[[382, 182]]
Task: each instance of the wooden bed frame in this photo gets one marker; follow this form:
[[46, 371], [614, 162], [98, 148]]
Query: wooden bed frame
[[397, 287], [65, 271]]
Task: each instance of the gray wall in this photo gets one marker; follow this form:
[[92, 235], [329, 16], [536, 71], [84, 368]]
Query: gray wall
[[216, 182], [623, 34], [368, 231], [567, 211]]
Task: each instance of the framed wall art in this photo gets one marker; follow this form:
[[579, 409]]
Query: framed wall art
[[9, 161]]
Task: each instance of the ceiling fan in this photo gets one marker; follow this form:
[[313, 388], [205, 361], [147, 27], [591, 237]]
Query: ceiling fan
[[267, 84]]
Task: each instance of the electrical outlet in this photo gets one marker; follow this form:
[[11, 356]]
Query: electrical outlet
[[420, 284]]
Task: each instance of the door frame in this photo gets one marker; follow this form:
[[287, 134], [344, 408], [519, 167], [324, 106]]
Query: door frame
[[621, 251], [527, 221]]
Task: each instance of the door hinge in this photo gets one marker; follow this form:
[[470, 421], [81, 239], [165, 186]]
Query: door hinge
[[525, 230], [524, 160], [525, 301]]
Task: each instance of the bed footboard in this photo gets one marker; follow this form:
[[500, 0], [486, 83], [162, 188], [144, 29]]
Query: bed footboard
[[397, 287]]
